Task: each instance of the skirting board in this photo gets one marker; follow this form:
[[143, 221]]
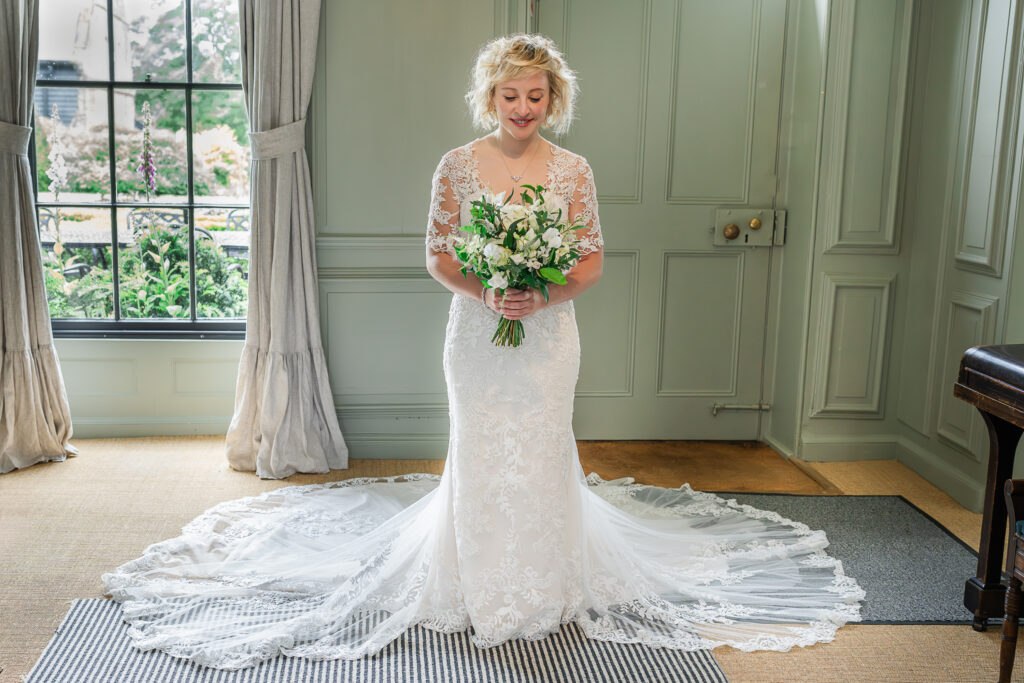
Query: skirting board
[[117, 427], [967, 491], [964, 489], [819, 448]]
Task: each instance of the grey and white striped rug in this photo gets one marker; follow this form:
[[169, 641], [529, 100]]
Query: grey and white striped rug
[[92, 645]]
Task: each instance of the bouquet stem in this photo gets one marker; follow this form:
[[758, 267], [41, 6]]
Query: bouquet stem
[[509, 333]]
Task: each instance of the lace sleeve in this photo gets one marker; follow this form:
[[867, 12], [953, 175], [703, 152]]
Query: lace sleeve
[[443, 218], [584, 208]]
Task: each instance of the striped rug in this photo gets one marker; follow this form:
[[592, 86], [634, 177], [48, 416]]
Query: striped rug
[[92, 645]]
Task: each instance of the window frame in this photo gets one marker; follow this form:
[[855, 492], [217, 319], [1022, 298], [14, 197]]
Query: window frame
[[142, 328]]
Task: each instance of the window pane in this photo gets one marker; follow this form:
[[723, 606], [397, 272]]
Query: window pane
[[156, 170], [222, 262], [153, 263], [72, 140], [215, 42], [73, 40], [220, 147], [75, 245], [152, 44]]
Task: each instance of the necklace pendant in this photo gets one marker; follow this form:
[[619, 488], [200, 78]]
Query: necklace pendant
[[516, 178]]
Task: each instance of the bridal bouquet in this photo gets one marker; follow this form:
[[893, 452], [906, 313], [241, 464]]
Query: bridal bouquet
[[511, 245]]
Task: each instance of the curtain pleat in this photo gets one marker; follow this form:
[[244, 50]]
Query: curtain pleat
[[35, 421], [284, 420]]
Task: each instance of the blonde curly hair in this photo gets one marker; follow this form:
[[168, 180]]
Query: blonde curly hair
[[509, 57]]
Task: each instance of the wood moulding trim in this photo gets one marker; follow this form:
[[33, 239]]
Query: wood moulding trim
[[987, 309], [954, 176], [630, 360], [988, 259], [738, 256], [642, 78], [374, 273], [396, 411], [831, 285], [837, 120], [754, 41]]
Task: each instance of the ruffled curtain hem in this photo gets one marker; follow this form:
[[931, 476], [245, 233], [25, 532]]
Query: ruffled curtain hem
[[284, 421], [35, 424]]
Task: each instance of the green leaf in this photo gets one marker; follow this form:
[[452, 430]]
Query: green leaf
[[553, 275]]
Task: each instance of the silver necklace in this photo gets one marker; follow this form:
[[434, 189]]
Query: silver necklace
[[517, 178]]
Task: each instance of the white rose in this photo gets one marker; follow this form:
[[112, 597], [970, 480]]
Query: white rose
[[513, 212], [498, 281], [553, 238]]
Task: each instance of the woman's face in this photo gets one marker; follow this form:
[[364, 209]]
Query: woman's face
[[521, 104]]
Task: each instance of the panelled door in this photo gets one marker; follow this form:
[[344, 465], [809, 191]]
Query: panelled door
[[679, 117]]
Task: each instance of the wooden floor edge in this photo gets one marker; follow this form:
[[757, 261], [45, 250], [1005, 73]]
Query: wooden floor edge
[[823, 481]]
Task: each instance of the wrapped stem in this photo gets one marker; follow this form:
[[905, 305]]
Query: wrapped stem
[[509, 333]]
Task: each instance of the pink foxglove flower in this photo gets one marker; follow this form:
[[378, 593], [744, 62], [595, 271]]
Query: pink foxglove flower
[[147, 167]]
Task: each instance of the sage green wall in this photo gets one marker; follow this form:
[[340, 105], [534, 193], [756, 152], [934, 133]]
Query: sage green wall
[[960, 217], [899, 164], [126, 387], [917, 185], [799, 145]]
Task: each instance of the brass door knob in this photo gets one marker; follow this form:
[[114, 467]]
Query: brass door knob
[[755, 223], [731, 231]]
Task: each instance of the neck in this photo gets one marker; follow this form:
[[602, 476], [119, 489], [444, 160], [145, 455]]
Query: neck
[[513, 148]]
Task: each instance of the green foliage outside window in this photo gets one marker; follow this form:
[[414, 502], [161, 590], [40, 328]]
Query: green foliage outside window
[[154, 279]]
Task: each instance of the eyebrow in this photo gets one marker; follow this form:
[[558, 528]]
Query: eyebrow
[[515, 90]]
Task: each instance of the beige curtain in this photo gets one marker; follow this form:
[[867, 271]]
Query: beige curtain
[[35, 423], [284, 419]]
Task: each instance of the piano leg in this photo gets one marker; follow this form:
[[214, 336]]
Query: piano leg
[[984, 594]]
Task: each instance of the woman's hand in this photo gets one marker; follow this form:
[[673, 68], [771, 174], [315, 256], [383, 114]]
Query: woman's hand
[[514, 303]]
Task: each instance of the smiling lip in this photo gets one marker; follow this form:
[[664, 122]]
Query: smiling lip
[[522, 123]]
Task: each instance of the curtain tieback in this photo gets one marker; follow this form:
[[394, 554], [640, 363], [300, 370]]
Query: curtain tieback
[[14, 138], [277, 142]]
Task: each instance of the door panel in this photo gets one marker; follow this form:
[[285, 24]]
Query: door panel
[[678, 116]]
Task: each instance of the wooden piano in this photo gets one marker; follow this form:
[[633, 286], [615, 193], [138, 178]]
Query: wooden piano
[[991, 379]]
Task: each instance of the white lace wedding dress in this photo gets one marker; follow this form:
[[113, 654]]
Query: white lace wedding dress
[[511, 541]]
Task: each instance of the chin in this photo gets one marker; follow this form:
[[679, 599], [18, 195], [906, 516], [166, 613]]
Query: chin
[[523, 133]]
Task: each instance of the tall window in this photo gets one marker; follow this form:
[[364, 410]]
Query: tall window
[[142, 167]]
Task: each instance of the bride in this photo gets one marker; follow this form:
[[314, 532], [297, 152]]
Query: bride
[[511, 541]]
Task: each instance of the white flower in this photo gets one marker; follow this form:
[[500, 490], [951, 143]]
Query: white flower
[[553, 238], [510, 213], [533, 263], [498, 281], [518, 259], [496, 254]]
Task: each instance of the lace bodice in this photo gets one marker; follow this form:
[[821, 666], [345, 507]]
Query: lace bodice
[[457, 183]]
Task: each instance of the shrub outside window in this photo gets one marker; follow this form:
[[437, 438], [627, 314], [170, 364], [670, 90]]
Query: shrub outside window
[[141, 160]]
